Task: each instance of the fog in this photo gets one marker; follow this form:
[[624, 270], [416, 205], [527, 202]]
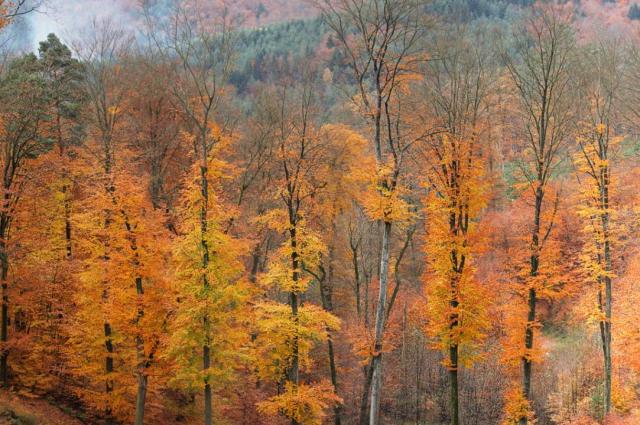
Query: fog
[[67, 19]]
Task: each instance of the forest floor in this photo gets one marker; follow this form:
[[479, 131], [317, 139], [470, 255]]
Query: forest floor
[[20, 410]]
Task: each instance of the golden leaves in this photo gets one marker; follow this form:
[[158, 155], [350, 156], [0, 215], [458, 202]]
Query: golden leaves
[[457, 304], [304, 404], [278, 327], [385, 198], [517, 407]]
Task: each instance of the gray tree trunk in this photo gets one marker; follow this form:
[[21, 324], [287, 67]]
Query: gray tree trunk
[[376, 383]]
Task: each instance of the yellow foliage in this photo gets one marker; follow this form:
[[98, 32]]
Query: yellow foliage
[[516, 407], [456, 303], [278, 327], [384, 199], [304, 404], [309, 249], [221, 301], [622, 396]]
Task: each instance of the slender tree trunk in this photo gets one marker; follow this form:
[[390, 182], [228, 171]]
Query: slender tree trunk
[[67, 219], [4, 271], [334, 379], [453, 376], [356, 273], [5, 219], [108, 367], [453, 360], [108, 341], [293, 374], [141, 355], [326, 294], [206, 355], [366, 391], [141, 398], [376, 363], [208, 409], [607, 288], [65, 186], [531, 299]]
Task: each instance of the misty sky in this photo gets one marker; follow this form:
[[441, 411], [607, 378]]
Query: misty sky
[[67, 18]]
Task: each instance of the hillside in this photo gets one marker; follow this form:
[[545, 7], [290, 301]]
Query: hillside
[[393, 212], [20, 410]]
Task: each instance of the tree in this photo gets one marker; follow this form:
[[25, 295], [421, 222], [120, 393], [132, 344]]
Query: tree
[[45, 305], [104, 83], [23, 94], [597, 142], [101, 53], [208, 315], [288, 332], [540, 69], [456, 91], [380, 41], [64, 76], [201, 53], [346, 157], [9, 9], [156, 124]]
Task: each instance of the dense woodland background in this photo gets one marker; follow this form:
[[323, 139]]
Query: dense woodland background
[[334, 211]]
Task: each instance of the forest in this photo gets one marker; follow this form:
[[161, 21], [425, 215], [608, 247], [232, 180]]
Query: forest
[[346, 212]]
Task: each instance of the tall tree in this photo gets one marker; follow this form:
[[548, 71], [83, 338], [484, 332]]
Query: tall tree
[[49, 217], [104, 53], [64, 75], [202, 52], [23, 111], [380, 41], [289, 331], [597, 141], [540, 65], [456, 90]]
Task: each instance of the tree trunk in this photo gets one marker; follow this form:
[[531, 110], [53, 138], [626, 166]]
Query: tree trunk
[[453, 358], [4, 271], [532, 300], [293, 374], [142, 358], [141, 398], [607, 287], [208, 411], [4, 275], [326, 295], [334, 380], [376, 363], [453, 376], [206, 356], [67, 218], [366, 390], [108, 367]]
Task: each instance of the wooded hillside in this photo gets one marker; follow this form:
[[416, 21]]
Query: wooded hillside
[[359, 212]]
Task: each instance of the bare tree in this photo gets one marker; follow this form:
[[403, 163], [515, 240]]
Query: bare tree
[[11, 9]]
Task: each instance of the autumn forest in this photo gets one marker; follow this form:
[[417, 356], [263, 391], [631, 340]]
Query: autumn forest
[[346, 212]]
